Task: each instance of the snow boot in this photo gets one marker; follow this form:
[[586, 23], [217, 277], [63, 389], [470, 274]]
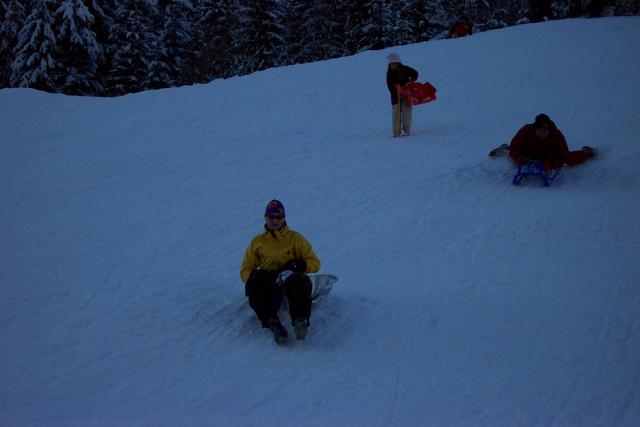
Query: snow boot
[[279, 332], [300, 328], [591, 152], [499, 151]]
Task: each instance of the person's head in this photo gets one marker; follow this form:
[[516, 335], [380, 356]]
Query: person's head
[[543, 126], [274, 215], [394, 60]]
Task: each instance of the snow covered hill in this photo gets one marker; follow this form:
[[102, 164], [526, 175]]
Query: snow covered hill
[[462, 299]]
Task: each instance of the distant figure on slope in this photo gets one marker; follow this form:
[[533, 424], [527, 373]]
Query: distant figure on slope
[[399, 75], [274, 265], [542, 142], [461, 29]]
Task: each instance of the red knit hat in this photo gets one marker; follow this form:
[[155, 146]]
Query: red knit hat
[[274, 207]]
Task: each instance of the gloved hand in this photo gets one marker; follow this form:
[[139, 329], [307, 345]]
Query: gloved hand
[[298, 265], [283, 276]]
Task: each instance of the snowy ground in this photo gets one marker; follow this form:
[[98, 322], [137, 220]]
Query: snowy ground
[[462, 300]]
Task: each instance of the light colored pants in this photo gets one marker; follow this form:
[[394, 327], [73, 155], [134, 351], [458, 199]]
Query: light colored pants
[[401, 117]]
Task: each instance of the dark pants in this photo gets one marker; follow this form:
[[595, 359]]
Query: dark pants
[[265, 295]]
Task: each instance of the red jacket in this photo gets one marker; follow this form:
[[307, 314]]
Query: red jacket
[[460, 30], [525, 145]]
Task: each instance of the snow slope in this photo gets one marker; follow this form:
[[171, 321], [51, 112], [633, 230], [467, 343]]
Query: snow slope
[[462, 300]]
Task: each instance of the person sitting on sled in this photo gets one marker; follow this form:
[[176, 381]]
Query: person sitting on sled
[[399, 75], [541, 141], [274, 265]]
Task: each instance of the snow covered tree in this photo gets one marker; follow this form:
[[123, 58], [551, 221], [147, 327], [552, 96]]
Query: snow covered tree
[[79, 51], [416, 15], [358, 26], [540, 10], [626, 7], [216, 26], [373, 34], [130, 47], [159, 73], [260, 43], [34, 65], [10, 23], [316, 30], [299, 15], [171, 63], [401, 20]]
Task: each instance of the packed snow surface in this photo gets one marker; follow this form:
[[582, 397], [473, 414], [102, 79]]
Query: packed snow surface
[[462, 301]]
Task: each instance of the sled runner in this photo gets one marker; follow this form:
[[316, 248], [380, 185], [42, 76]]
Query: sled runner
[[535, 169]]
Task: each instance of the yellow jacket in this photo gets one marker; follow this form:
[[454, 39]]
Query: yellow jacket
[[270, 250]]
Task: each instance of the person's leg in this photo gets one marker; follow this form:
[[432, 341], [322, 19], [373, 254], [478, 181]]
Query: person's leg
[[407, 112], [297, 288], [577, 157], [261, 291], [395, 119]]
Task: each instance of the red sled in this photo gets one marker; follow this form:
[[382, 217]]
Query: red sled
[[418, 93]]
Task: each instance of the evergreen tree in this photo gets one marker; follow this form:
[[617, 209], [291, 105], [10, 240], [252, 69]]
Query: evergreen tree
[[216, 27], [310, 36], [540, 10], [299, 18], [402, 20], [354, 25], [34, 65], [261, 42], [417, 17], [439, 15], [171, 57], [10, 24], [372, 32], [159, 74], [626, 7], [338, 23], [80, 53], [131, 46], [486, 14]]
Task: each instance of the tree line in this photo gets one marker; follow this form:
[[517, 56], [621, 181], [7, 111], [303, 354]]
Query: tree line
[[114, 47]]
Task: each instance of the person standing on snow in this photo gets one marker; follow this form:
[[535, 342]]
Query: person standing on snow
[[399, 75], [274, 265], [541, 141]]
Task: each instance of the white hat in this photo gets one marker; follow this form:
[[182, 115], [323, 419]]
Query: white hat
[[393, 57]]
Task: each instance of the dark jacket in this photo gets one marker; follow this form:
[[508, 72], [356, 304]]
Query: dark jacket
[[525, 145], [400, 76]]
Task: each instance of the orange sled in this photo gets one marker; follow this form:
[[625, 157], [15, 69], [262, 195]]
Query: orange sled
[[418, 93]]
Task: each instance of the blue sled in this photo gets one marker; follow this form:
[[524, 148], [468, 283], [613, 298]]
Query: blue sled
[[535, 169]]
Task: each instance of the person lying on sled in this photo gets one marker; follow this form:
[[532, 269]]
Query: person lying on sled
[[541, 141]]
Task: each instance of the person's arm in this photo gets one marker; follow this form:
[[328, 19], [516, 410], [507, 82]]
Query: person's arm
[[391, 85], [516, 148], [305, 251], [559, 153], [249, 263], [561, 144], [413, 74]]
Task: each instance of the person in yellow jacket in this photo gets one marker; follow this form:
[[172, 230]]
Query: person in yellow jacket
[[274, 265]]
